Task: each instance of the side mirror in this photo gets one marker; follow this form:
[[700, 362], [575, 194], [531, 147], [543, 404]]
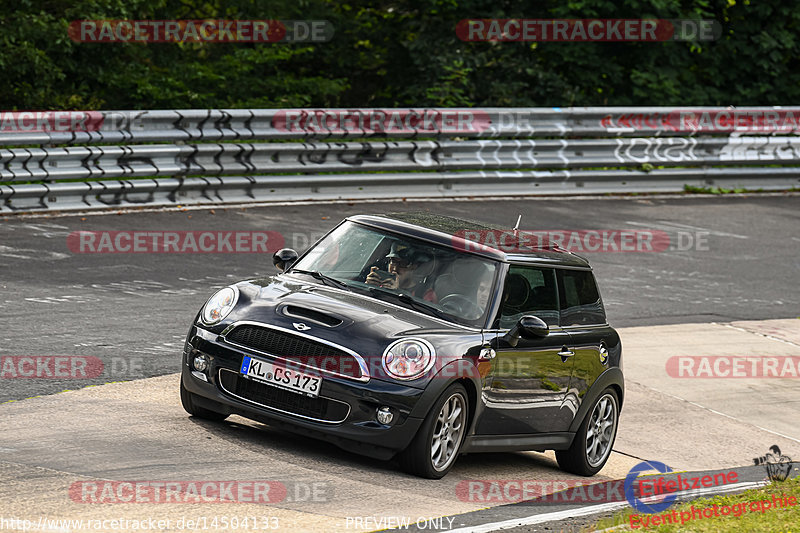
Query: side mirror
[[533, 326], [283, 259], [527, 326]]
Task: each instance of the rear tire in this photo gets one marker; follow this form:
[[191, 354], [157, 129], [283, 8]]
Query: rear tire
[[187, 399], [434, 449], [592, 445]]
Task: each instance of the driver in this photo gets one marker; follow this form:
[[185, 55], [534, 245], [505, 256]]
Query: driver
[[405, 261]]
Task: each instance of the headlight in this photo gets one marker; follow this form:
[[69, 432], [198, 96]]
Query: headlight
[[220, 305], [408, 358]]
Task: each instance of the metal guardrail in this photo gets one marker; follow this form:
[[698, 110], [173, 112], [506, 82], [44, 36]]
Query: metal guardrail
[[153, 158]]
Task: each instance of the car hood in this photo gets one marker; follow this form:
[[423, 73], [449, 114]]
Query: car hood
[[270, 296], [357, 322]]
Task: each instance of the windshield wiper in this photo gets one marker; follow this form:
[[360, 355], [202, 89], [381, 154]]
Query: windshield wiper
[[316, 274], [405, 298]]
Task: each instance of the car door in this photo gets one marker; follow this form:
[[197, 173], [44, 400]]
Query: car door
[[528, 382], [583, 317]]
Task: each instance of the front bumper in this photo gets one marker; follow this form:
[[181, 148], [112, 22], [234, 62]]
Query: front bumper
[[353, 427]]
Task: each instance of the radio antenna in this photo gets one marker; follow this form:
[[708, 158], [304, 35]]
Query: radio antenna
[[516, 226]]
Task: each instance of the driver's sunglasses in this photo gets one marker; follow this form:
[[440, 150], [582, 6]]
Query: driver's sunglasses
[[399, 263]]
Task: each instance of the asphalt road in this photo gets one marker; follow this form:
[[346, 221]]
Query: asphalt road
[[137, 432], [729, 258]]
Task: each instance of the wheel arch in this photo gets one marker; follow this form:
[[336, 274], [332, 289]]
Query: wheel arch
[[472, 402], [460, 371], [610, 379]]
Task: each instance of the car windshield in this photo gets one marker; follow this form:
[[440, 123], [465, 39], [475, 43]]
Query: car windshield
[[428, 278]]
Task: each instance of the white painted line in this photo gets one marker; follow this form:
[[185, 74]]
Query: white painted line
[[674, 226], [711, 231], [541, 518], [717, 412], [770, 337]]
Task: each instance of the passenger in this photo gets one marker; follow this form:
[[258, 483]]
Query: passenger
[[485, 285], [466, 287]]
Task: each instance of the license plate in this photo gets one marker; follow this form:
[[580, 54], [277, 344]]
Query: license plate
[[279, 376]]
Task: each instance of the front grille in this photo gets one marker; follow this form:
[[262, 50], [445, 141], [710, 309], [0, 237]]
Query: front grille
[[295, 348], [320, 409]]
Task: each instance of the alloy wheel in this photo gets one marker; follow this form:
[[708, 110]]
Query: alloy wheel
[[447, 432], [601, 430]]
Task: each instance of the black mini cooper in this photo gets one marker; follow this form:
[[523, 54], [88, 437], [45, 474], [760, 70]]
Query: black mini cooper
[[419, 336]]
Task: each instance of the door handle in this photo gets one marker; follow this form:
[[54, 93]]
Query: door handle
[[565, 352]]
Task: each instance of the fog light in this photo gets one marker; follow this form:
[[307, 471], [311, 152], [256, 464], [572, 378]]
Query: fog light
[[201, 362], [384, 415]]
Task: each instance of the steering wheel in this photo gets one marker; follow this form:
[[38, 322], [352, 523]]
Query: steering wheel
[[458, 304]]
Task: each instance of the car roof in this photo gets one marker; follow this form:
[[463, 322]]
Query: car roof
[[503, 244]]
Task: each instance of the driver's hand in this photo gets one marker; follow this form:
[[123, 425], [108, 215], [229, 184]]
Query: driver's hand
[[390, 283], [373, 278]]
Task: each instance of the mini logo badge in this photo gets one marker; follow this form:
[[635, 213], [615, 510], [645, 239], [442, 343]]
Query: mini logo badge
[[299, 326]]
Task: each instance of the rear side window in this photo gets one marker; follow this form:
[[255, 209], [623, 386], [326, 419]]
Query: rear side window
[[529, 291], [580, 300]]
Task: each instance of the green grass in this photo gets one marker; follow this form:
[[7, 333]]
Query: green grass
[[783, 520], [714, 190]]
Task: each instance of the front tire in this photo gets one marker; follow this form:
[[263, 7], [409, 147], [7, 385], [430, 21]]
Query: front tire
[[435, 447], [592, 445], [187, 400]]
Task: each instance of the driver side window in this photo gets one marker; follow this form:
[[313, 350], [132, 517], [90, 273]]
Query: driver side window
[[529, 291]]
